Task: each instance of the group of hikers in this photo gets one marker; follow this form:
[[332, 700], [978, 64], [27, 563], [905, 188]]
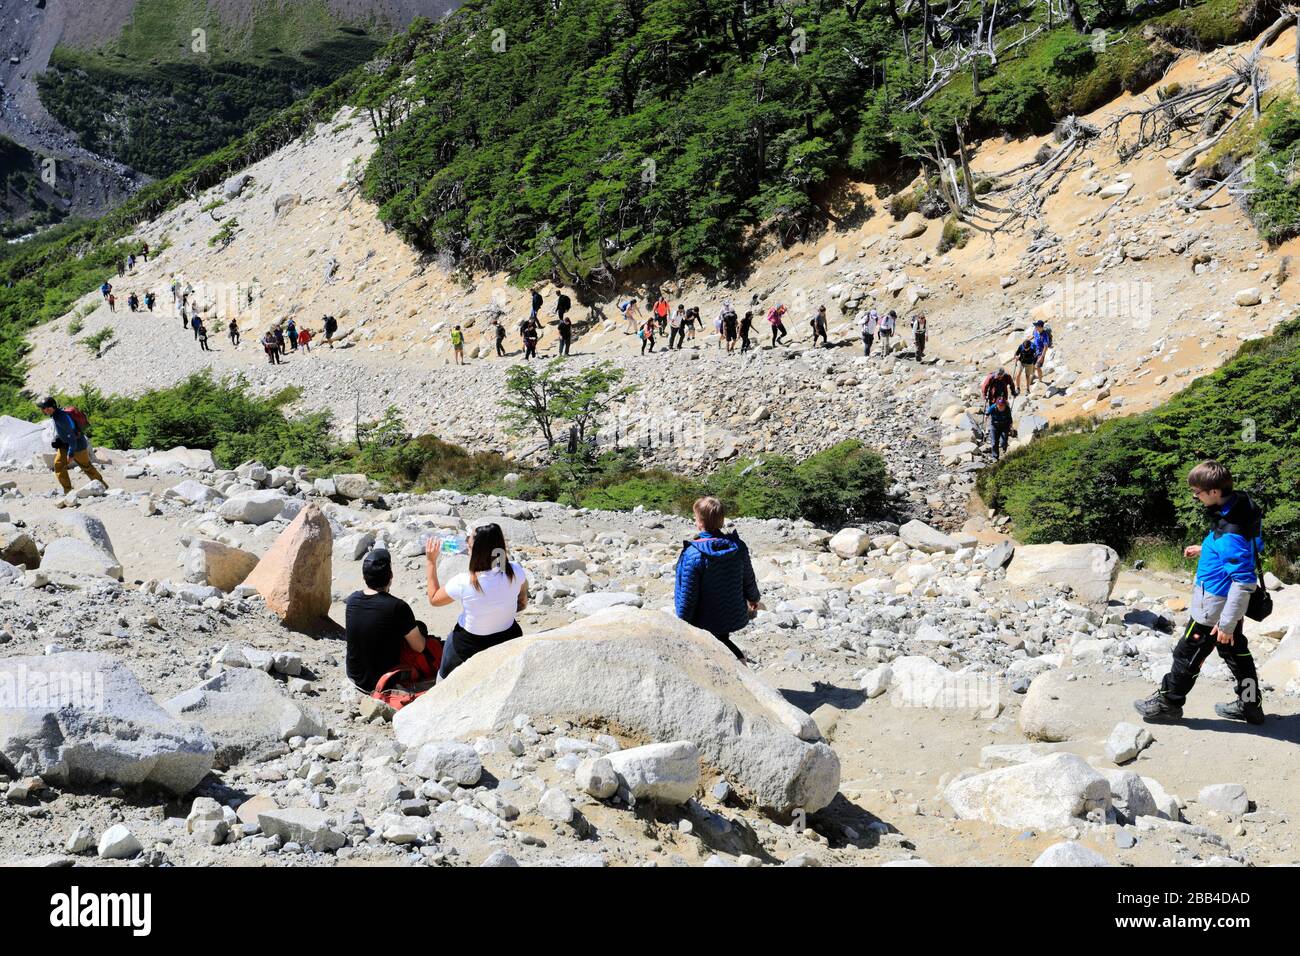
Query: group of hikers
[[658, 319], [999, 388], [715, 589]]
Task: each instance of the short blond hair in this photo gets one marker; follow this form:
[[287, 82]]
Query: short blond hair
[[1210, 476], [710, 512]]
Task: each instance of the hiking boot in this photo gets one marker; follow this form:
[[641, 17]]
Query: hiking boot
[[1251, 713], [1155, 709]]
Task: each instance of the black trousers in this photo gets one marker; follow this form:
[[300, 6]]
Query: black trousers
[[867, 339], [501, 349], [1190, 654], [725, 638], [920, 346], [677, 335], [564, 345]]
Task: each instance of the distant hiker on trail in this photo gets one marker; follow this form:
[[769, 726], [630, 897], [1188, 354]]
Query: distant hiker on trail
[[331, 326], [233, 329], [149, 300], [145, 252], [532, 334], [1026, 358], [458, 344], [185, 318], [278, 333], [1229, 586], [1000, 426], [491, 593], [870, 324], [70, 441], [774, 316], [105, 289], [112, 302], [130, 261], [818, 323], [1042, 345], [888, 322], [536, 302], [566, 334], [661, 314], [715, 588], [919, 332], [677, 328], [291, 333], [382, 632], [196, 323], [176, 293], [133, 302], [729, 325], [562, 305], [998, 383], [746, 326], [201, 333], [269, 346], [632, 318], [304, 339], [499, 332], [648, 334]]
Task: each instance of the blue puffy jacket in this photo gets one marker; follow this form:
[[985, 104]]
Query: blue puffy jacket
[[66, 431], [715, 579], [1228, 551]]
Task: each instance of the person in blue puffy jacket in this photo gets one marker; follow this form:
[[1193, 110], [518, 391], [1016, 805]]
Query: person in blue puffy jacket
[[715, 586], [1226, 576]]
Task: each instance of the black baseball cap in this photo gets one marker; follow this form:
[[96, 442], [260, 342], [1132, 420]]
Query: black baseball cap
[[48, 402], [377, 565]]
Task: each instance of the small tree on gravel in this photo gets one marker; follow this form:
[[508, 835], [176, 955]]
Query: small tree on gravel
[[564, 408]]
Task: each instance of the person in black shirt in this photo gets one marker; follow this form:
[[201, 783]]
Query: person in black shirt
[[562, 305], [566, 334], [379, 625]]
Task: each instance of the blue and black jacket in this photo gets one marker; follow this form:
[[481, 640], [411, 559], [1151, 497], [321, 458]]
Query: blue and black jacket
[[1226, 573], [715, 580]]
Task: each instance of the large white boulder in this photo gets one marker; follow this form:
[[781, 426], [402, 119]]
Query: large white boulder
[[77, 556], [919, 535], [918, 681], [1049, 710], [1089, 570], [81, 718], [1049, 793], [664, 773], [653, 676], [195, 493], [177, 460], [245, 713], [255, 507], [1069, 853], [20, 440], [850, 543]]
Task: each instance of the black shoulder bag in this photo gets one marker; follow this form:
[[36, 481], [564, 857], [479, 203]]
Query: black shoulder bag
[[1260, 604]]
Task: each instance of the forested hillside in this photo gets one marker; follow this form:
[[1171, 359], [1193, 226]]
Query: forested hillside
[[579, 140]]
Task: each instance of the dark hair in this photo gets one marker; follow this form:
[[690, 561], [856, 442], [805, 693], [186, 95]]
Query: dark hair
[[48, 402], [489, 548]]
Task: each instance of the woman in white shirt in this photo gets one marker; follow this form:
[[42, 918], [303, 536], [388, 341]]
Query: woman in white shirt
[[491, 593]]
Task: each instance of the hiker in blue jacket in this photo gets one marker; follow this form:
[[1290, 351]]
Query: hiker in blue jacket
[[1226, 575], [715, 588], [70, 442]]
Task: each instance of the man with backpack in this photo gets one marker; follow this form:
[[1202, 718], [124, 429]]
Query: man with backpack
[[1000, 425], [870, 323], [562, 305], [919, 332], [331, 326], [887, 323], [1026, 358], [998, 383], [1042, 345], [1229, 586], [499, 332], [382, 632], [70, 441], [715, 587]]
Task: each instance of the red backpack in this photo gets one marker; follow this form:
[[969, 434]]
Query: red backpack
[[78, 418], [414, 668]]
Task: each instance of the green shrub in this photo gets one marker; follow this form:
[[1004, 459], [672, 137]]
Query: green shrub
[[95, 343], [75, 327], [1126, 478], [954, 236], [846, 482]]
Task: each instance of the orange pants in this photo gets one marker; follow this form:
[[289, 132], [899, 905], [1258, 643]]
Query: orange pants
[[82, 459]]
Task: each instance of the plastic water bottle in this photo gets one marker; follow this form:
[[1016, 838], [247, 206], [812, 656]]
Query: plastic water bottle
[[454, 544]]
